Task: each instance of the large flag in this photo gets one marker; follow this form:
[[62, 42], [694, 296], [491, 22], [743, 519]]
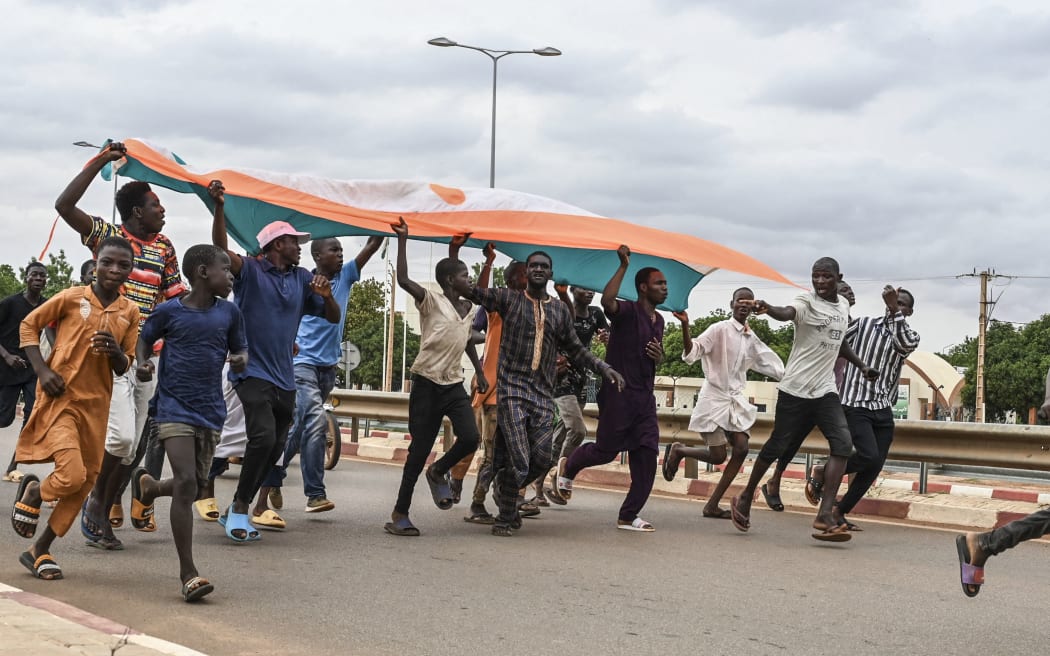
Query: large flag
[[582, 244]]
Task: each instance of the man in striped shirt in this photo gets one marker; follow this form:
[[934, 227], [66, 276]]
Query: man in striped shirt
[[154, 278], [884, 342]]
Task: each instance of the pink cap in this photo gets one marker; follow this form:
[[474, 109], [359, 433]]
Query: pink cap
[[279, 229]]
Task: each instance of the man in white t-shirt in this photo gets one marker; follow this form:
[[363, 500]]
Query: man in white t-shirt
[[808, 397]]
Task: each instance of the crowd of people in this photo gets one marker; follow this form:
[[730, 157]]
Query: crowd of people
[[143, 367]]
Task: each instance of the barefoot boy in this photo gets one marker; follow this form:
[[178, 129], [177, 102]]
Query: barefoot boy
[[198, 330], [94, 341], [727, 349]]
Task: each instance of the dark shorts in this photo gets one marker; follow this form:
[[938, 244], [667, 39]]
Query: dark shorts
[[794, 419]]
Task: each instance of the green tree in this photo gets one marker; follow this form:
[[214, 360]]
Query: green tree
[[364, 328], [497, 275], [59, 273], [10, 283]]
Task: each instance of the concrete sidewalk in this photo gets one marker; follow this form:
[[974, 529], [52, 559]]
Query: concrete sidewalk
[[32, 624]]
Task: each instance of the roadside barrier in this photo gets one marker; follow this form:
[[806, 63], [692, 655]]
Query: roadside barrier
[[926, 442]]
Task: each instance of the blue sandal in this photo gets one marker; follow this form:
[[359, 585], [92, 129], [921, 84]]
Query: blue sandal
[[232, 521], [440, 489], [402, 526]]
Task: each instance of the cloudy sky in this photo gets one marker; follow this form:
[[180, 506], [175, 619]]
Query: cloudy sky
[[905, 138]]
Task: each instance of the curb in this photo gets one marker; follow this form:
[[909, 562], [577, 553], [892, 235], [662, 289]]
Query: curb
[[944, 504], [54, 615]]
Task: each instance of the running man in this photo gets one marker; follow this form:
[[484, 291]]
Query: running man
[[535, 326], [807, 396], [626, 415], [155, 278], [727, 350]]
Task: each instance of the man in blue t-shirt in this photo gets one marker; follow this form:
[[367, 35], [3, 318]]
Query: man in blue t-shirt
[[320, 349], [274, 293]]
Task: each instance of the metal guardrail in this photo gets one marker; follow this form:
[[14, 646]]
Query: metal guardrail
[[955, 443]]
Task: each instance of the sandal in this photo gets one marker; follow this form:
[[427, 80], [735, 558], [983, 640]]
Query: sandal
[[481, 516], [403, 526], [721, 513], [552, 497], [637, 524], [970, 576], [106, 543], [814, 488], [440, 489], [561, 487], [43, 567], [116, 515], [232, 521], [208, 509], [268, 519], [838, 533], [24, 517], [772, 500], [141, 514], [14, 476], [667, 468], [741, 521], [502, 530], [196, 588]]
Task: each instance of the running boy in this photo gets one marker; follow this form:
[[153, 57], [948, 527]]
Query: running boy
[[199, 331], [727, 350], [94, 341], [437, 382]]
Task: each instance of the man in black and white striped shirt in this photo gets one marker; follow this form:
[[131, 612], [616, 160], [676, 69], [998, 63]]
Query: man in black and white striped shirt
[[883, 342]]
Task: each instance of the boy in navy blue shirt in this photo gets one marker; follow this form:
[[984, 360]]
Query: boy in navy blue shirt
[[274, 293], [199, 331]]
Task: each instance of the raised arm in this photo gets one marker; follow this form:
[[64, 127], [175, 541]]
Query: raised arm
[[905, 340], [66, 205], [370, 249], [456, 243], [612, 288], [218, 225], [486, 269], [403, 281]]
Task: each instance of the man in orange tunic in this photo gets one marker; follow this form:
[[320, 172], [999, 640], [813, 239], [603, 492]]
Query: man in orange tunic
[[95, 339]]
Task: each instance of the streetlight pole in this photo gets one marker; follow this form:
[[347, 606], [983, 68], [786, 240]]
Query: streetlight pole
[[495, 56]]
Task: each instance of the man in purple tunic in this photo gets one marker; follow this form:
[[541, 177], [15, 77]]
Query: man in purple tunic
[[627, 419]]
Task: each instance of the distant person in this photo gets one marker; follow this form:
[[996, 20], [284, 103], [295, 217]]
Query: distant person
[[807, 395], [87, 272], [94, 341], [974, 549], [200, 332], [723, 414], [626, 414], [17, 378]]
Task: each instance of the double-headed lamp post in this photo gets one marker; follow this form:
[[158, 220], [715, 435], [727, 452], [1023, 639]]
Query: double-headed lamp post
[[495, 56]]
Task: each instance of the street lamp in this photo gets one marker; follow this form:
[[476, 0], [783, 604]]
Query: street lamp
[[495, 56]]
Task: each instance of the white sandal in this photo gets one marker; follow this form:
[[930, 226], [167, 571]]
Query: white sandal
[[638, 524]]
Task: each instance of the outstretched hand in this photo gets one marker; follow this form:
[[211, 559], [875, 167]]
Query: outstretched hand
[[490, 253], [757, 306], [321, 286], [458, 240], [889, 297]]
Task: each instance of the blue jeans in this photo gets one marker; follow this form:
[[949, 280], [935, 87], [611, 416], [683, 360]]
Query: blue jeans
[[313, 384]]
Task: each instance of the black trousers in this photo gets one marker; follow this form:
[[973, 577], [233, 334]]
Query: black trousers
[[428, 404], [1006, 537], [268, 414], [872, 432]]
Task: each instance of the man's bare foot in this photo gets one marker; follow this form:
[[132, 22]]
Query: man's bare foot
[[977, 555]]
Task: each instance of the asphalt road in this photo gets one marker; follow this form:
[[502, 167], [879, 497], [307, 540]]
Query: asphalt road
[[568, 583]]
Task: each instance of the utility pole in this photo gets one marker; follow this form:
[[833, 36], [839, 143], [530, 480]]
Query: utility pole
[[982, 332]]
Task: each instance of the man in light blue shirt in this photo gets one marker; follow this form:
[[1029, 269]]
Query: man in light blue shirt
[[320, 349]]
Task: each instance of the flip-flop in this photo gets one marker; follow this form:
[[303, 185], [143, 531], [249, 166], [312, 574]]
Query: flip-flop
[[741, 521], [116, 515], [39, 565], [666, 468], [553, 498], [772, 500], [814, 488], [196, 588], [208, 509], [232, 521], [141, 514], [14, 476], [637, 524], [402, 526], [268, 519], [721, 514], [480, 518], [971, 578], [106, 543], [24, 517], [440, 489], [851, 527], [85, 526], [838, 533]]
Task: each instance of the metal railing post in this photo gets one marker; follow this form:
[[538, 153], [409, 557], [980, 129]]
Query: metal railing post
[[924, 472]]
